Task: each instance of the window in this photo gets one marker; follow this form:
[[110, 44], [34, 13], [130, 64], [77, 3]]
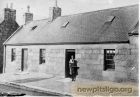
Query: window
[[110, 18], [109, 59], [13, 54], [33, 28], [42, 56], [65, 25]]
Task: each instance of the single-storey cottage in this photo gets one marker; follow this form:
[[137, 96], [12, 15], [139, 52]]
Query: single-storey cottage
[[104, 42]]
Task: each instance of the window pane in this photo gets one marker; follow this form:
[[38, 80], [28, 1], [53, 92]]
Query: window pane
[[110, 61], [114, 51], [111, 66], [108, 51]]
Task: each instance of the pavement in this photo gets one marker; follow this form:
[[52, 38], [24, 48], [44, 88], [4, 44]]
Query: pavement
[[51, 83], [41, 81]]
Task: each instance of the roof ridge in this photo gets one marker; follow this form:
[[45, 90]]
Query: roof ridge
[[86, 12], [41, 19], [36, 21], [100, 10]]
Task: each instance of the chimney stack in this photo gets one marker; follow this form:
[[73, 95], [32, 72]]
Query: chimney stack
[[9, 13], [54, 12], [28, 15]]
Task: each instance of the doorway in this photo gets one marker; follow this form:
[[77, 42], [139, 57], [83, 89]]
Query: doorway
[[69, 53], [24, 59]]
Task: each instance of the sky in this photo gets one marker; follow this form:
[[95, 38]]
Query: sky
[[40, 8]]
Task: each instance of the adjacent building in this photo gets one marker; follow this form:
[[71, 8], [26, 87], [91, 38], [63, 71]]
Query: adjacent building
[[8, 25], [104, 42]]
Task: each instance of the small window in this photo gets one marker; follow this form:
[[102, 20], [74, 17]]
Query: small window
[[65, 25], [42, 56], [33, 28], [13, 54], [110, 18], [109, 63]]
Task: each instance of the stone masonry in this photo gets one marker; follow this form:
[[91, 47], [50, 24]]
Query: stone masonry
[[90, 60], [7, 27]]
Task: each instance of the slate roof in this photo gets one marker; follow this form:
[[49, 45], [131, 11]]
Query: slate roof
[[1, 16], [1, 19], [109, 25], [134, 30]]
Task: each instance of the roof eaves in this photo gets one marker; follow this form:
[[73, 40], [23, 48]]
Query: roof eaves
[[70, 43], [13, 34]]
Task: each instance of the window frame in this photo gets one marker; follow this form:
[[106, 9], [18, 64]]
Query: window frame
[[65, 24], [42, 56], [13, 54], [109, 59], [34, 27], [110, 18]]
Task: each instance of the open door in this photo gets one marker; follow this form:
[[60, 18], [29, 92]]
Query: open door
[[69, 53], [24, 60]]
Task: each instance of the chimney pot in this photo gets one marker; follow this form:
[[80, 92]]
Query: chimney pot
[[11, 6], [7, 5], [28, 8]]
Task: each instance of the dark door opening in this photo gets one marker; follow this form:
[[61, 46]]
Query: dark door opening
[[24, 60], [69, 53]]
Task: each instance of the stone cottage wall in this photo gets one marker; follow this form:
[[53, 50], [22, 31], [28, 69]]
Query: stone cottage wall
[[127, 60], [90, 60], [54, 60]]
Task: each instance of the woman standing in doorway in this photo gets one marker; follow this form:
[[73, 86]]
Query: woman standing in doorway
[[73, 68]]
